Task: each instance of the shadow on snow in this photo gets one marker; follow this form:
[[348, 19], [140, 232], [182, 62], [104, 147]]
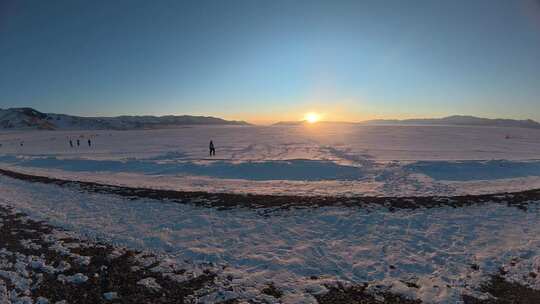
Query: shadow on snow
[[306, 170], [475, 170]]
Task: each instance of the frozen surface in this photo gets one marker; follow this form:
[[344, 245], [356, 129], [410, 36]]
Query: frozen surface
[[333, 159], [298, 250], [475, 170], [432, 248]]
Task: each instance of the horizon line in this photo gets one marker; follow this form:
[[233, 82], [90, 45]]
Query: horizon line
[[272, 122]]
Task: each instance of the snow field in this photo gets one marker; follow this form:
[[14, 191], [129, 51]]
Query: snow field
[[320, 159], [435, 249]]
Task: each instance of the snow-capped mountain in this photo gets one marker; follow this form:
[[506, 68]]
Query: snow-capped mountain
[[28, 118]]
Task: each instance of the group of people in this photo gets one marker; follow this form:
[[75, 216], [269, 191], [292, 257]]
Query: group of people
[[211, 146], [78, 142]]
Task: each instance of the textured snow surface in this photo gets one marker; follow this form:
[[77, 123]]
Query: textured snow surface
[[326, 159], [432, 248]]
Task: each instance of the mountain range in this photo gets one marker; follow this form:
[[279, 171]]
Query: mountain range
[[31, 119], [28, 118], [460, 120], [455, 120]]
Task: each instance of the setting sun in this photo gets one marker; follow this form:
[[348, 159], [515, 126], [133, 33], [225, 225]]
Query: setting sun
[[312, 117]]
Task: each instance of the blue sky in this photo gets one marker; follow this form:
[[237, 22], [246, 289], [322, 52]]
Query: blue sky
[[273, 60]]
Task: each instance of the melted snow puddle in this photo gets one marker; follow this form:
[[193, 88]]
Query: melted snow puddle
[[432, 248]]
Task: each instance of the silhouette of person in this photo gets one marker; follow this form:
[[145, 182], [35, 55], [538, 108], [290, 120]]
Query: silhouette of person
[[71, 143], [89, 143], [212, 149], [78, 143]]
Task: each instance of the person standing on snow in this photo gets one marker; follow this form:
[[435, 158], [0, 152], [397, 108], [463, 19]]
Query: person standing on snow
[[78, 143], [212, 149], [89, 143], [71, 143]]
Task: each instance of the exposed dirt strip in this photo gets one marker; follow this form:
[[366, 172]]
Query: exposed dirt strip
[[230, 200]]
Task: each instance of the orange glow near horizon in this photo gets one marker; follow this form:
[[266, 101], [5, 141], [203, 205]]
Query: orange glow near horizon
[[312, 117]]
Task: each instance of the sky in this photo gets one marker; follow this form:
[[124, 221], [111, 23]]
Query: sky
[[267, 61]]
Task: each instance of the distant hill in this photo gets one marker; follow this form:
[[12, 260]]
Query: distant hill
[[302, 122], [290, 123], [456, 120], [28, 118], [459, 120]]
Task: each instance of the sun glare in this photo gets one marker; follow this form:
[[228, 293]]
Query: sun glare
[[312, 117]]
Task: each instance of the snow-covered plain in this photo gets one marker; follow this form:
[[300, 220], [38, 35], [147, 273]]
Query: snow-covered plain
[[445, 252], [325, 159]]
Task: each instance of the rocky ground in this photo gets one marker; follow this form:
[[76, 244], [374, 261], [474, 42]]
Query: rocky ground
[[43, 264], [40, 263]]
